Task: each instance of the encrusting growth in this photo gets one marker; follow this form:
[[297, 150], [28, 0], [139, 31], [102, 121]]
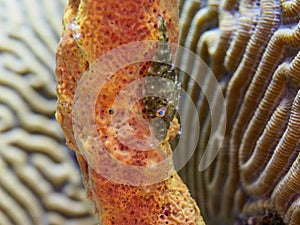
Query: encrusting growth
[[91, 29]]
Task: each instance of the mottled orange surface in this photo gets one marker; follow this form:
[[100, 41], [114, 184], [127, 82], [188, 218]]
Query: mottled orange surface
[[91, 28]]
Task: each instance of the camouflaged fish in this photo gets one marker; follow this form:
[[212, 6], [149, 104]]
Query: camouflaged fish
[[162, 88]]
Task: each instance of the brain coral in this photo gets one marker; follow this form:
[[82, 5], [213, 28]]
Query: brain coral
[[39, 182], [252, 47]]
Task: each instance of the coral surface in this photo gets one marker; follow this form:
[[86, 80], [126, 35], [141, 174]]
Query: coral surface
[[252, 48], [39, 180], [91, 30]]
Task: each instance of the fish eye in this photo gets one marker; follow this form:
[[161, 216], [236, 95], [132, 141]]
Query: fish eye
[[161, 112], [111, 111]]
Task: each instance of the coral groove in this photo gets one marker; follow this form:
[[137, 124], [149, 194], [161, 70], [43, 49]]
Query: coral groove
[[254, 53], [40, 181]]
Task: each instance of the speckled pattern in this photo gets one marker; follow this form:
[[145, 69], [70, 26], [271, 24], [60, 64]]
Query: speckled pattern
[[252, 48], [91, 28], [162, 88]]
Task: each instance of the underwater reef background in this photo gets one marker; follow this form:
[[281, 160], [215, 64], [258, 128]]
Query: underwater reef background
[[40, 183], [252, 48]]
